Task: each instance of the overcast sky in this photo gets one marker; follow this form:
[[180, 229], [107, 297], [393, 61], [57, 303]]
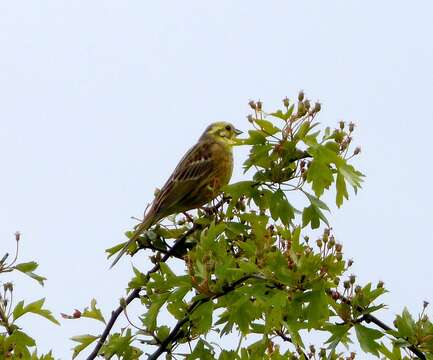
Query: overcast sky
[[100, 99]]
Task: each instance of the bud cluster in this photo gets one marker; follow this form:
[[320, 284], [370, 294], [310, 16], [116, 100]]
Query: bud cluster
[[344, 137]]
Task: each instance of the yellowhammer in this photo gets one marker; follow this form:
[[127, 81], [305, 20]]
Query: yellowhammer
[[197, 179]]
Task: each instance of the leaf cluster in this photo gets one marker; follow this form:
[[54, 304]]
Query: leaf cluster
[[14, 342]]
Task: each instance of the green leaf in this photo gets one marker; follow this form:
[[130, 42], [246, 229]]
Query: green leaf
[[94, 312], [255, 137], [202, 351], [84, 341], [228, 355], [317, 202], [394, 355], [47, 356], [340, 334], [405, 324], [28, 268], [341, 190], [352, 176], [236, 190], [267, 126], [162, 332], [312, 214], [151, 316], [259, 156], [139, 280], [202, 317], [35, 308], [280, 208], [19, 342], [114, 249], [121, 347], [317, 309], [367, 339], [320, 175]]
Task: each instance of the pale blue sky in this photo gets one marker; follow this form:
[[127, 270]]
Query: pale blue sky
[[100, 99]]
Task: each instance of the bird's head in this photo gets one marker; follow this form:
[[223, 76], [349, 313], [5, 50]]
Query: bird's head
[[222, 131]]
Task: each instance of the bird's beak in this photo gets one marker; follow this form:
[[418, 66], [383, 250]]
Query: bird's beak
[[238, 132]]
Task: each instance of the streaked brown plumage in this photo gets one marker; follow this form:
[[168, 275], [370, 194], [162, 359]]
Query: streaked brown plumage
[[197, 179]]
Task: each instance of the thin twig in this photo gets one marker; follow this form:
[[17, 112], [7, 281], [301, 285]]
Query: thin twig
[[368, 318], [135, 294], [283, 336]]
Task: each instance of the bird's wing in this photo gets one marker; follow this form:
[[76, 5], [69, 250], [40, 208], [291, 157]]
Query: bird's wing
[[196, 166]]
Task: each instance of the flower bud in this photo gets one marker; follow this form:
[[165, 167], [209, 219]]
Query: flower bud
[[286, 102], [252, 104], [319, 243], [352, 279], [341, 123], [250, 118], [306, 238], [307, 104], [312, 349], [338, 247], [17, 236], [317, 107], [8, 286], [301, 96], [380, 284], [259, 105], [339, 256], [351, 126], [322, 352], [358, 289], [425, 304], [357, 151], [346, 284], [301, 110], [349, 263], [336, 281]]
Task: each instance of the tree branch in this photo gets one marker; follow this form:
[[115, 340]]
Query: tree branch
[[136, 292], [368, 318], [174, 333]]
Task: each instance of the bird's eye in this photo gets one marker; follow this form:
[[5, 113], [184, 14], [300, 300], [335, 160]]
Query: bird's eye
[[228, 128]]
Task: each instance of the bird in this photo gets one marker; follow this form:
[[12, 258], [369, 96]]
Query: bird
[[196, 180]]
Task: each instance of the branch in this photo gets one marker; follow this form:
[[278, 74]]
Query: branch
[[368, 318], [136, 293], [163, 347], [283, 336]]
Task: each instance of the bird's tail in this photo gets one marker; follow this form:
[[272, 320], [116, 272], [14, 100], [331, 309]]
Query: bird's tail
[[146, 224]]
